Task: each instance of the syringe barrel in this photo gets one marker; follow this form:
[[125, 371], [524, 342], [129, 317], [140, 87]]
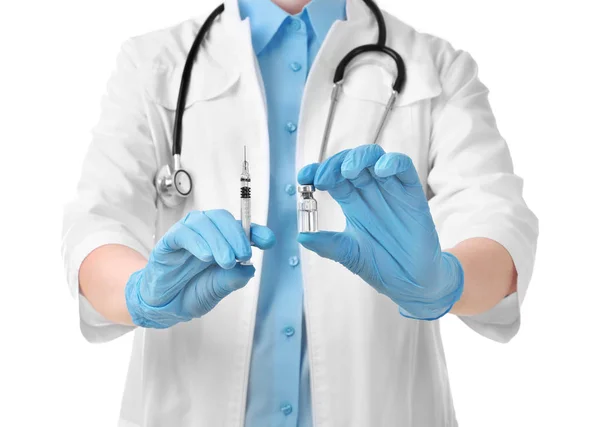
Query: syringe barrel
[[246, 216]]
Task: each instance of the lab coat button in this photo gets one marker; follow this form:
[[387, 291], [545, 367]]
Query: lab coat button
[[286, 408], [290, 189], [295, 66], [293, 261], [289, 331], [291, 127]]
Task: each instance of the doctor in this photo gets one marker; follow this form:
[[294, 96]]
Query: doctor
[[340, 329]]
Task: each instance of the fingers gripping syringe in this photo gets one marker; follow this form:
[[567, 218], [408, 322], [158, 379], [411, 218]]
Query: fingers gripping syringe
[[245, 211]]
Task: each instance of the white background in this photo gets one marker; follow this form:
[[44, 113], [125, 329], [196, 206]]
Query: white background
[[540, 60]]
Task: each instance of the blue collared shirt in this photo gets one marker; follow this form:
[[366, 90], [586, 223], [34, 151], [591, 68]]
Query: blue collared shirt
[[286, 46]]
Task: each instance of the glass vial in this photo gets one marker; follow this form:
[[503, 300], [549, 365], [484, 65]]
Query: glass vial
[[307, 210]]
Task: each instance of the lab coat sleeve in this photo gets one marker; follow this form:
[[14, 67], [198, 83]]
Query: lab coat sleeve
[[115, 198], [474, 191]]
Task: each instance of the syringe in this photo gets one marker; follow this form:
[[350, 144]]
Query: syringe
[[245, 211]]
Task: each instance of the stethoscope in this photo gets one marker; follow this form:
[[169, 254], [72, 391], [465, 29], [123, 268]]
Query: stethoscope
[[174, 183]]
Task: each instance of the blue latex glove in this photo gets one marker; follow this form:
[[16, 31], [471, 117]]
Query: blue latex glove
[[192, 268], [390, 239]]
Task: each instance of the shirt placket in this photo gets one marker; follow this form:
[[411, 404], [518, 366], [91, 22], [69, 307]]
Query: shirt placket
[[286, 65]]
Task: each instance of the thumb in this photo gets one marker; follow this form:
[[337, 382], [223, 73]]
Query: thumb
[[226, 281], [214, 284], [336, 246], [306, 175]]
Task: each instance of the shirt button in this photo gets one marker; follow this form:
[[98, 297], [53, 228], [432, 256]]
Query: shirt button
[[289, 331], [295, 24], [291, 127], [286, 408], [295, 66], [290, 189], [293, 261]]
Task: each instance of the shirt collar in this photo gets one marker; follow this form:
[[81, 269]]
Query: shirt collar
[[266, 18], [323, 13]]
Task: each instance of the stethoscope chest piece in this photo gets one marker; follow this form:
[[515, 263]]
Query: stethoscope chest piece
[[173, 184]]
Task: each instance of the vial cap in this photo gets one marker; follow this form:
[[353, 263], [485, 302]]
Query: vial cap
[[306, 188]]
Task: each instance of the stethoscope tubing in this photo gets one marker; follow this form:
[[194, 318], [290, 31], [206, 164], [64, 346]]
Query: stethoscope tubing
[[185, 78], [357, 51], [379, 46]]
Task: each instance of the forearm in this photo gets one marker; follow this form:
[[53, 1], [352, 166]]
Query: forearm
[[102, 279], [489, 272]]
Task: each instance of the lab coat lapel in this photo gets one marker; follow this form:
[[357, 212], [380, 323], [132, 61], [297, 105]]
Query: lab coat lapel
[[225, 53], [422, 82], [257, 140], [359, 28], [258, 136], [343, 37]]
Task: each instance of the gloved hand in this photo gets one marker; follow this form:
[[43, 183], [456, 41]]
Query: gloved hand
[[192, 268], [390, 239]]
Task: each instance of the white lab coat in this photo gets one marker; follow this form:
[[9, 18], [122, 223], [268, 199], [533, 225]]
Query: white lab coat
[[369, 366]]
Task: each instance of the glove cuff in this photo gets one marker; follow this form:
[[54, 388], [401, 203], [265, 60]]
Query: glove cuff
[[433, 310], [455, 275], [135, 305]]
